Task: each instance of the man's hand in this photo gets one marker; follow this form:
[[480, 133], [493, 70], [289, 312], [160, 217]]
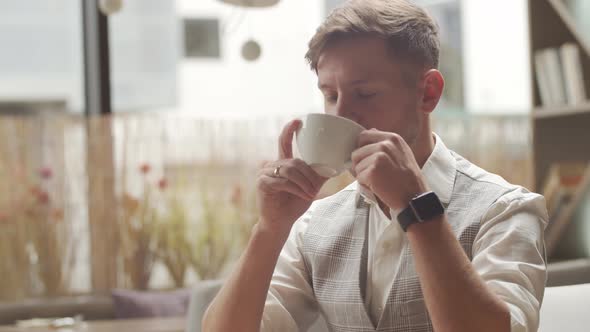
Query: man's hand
[[286, 187], [386, 165]]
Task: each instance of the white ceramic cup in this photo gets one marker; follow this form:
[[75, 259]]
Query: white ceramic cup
[[326, 142]]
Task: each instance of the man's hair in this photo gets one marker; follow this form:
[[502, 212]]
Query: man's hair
[[409, 31]]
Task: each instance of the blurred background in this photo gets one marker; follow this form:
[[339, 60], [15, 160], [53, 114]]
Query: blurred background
[[131, 130]]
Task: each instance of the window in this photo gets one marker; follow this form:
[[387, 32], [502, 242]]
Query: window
[[217, 115], [144, 47], [447, 14], [42, 199], [201, 38], [41, 57]]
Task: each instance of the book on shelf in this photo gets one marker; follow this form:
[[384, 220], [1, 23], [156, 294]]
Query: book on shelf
[[543, 79], [551, 188], [554, 75], [572, 73], [561, 184], [564, 185], [559, 75]]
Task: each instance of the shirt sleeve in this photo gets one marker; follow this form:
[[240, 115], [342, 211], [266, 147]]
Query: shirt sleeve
[[509, 254], [290, 303]]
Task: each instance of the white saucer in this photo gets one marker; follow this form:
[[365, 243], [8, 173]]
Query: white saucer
[[325, 171]]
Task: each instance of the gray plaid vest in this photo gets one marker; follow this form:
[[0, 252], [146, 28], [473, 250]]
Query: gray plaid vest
[[335, 255]]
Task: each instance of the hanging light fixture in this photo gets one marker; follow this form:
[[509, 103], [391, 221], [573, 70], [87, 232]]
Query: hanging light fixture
[[251, 50], [109, 7], [251, 3]]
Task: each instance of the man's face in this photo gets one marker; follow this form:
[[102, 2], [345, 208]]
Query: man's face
[[362, 81]]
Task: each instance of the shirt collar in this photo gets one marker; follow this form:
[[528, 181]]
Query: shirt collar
[[439, 170]]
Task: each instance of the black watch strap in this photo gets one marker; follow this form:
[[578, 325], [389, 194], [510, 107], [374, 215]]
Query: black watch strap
[[406, 218], [424, 207]]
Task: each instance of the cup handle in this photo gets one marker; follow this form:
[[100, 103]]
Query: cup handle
[[302, 119]]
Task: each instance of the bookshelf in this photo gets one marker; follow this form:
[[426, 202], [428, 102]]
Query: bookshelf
[[561, 111], [560, 133]]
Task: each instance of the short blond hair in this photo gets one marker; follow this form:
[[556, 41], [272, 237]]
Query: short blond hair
[[411, 33]]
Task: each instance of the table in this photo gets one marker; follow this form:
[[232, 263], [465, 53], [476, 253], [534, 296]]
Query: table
[[123, 325]]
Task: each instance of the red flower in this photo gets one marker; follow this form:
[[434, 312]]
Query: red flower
[[145, 168], [35, 191], [163, 184], [46, 173], [43, 197]]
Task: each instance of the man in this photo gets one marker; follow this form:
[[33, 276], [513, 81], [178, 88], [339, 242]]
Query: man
[[422, 241]]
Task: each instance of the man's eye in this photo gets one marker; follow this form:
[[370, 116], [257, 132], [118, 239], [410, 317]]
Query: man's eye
[[366, 95]]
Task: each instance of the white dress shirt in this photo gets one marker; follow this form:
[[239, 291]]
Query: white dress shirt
[[508, 253]]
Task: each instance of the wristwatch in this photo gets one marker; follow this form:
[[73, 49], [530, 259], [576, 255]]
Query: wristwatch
[[422, 208]]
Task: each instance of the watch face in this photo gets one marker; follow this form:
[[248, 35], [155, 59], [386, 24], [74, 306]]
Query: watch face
[[427, 206]]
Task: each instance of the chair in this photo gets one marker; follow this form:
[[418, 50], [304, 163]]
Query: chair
[[203, 293], [566, 308]]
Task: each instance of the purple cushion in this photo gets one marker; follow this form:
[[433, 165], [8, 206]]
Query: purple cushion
[[141, 304]]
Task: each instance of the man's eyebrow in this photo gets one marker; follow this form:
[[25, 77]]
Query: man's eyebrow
[[323, 86], [357, 82]]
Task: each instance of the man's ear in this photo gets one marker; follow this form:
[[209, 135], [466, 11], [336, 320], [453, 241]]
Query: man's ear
[[432, 90]]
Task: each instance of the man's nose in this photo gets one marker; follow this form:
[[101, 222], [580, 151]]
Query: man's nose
[[345, 109]]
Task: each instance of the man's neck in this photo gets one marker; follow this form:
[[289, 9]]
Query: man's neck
[[423, 148]]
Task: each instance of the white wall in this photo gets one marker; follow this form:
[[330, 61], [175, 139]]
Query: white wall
[[277, 83], [496, 46], [41, 51], [495, 41]]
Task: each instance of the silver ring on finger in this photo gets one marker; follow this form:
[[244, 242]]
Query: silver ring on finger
[[277, 172]]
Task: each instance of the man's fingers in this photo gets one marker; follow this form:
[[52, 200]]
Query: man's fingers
[[364, 152], [283, 184], [286, 139], [363, 179], [293, 172], [371, 136], [363, 164], [374, 136], [316, 180]]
